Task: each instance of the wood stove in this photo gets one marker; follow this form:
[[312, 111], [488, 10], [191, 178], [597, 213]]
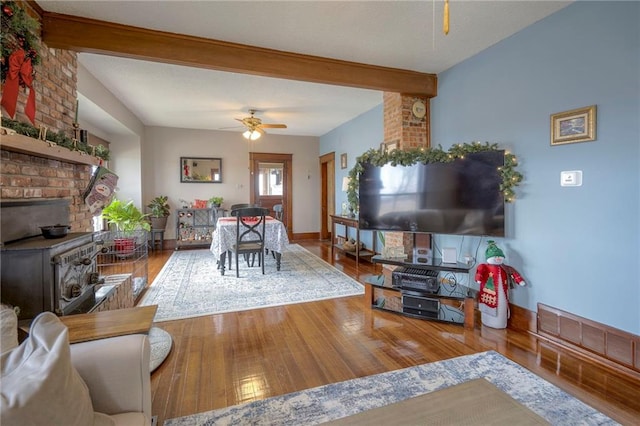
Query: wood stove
[[40, 274]]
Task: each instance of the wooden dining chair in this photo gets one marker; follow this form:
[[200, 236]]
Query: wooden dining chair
[[250, 232]]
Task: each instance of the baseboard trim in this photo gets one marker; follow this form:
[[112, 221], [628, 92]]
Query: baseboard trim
[[306, 236], [597, 342]]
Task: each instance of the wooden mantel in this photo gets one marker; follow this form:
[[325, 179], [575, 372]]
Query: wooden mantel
[[39, 148]]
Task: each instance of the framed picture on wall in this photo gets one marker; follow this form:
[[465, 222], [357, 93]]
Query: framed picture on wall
[[200, 170], [576, 125], [343, 161]]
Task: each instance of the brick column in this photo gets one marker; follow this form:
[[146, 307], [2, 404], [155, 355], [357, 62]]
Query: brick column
[[401, 126], [407, 131]]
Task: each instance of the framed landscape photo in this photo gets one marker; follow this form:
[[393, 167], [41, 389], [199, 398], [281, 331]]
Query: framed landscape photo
[[577, 125]]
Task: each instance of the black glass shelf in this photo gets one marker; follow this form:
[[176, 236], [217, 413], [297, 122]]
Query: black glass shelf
[[448, 291], [435, 264]]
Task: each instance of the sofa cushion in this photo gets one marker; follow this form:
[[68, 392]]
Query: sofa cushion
[[39, 384], [9, 328]]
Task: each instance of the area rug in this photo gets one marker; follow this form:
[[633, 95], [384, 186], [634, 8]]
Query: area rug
[[190, 284], [338, 400], [160, 343]]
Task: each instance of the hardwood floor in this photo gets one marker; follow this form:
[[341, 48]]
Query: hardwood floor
[[227, 359]]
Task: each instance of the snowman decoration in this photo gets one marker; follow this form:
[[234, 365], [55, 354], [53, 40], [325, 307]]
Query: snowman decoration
[[494, 278]]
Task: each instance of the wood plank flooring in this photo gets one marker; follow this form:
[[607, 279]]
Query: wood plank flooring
[[227, 359]]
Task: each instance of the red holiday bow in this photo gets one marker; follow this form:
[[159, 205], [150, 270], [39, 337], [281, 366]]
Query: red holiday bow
[[20, 72]]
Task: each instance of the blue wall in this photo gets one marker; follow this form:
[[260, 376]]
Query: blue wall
[[578, 248], [353, 138]]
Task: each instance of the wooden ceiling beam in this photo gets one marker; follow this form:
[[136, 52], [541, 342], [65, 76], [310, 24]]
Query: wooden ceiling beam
[[93, 36]]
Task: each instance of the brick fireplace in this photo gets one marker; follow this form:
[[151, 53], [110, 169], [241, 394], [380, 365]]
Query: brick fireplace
[[31, 176]]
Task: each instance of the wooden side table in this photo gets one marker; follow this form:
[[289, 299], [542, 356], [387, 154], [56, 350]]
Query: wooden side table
[[350, 222]]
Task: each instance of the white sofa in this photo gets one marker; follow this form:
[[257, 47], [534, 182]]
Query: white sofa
[[47, 381]]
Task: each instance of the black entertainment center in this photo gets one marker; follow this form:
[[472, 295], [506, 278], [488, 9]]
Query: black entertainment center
[[414, 289]]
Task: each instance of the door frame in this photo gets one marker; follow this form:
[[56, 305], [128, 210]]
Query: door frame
[[255, 158], [327, 192]]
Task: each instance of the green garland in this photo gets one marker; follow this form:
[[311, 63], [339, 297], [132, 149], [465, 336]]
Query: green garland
[[19, 30], [58, 138], [510, 176]]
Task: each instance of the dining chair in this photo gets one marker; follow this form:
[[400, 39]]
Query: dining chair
[[250, 231], [279, 211], [279, 215], [241, 206]]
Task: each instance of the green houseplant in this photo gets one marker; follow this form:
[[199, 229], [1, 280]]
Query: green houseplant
[[127, 219], [160, 210], [216, 201]]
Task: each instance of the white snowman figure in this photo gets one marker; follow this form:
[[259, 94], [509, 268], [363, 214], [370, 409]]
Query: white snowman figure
[[494, 278]]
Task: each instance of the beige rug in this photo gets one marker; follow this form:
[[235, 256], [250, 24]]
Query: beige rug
[[476, 402], [443, 403], [190, 284]]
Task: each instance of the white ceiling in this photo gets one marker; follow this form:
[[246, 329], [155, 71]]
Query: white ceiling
[[398, 34]]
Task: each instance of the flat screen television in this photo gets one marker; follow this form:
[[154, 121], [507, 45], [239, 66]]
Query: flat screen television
[[462, 197]]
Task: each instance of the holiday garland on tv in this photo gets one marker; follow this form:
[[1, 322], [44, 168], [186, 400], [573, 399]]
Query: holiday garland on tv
[[397, 157]]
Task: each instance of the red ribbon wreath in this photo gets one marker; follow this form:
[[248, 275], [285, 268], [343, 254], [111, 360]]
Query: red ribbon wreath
[[20, 73]]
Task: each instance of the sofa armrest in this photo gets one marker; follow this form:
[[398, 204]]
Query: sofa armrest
[[116, 371]]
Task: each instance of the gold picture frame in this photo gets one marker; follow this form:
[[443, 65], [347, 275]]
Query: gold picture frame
[[343, 161], [576, 125]]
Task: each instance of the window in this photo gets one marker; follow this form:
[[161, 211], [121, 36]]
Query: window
[[270, 179]]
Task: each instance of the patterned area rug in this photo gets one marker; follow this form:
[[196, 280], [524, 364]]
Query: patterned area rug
[[337, 400], [190, 284]]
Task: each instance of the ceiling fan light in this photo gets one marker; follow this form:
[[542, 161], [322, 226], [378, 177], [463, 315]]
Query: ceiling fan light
[[252, 134]]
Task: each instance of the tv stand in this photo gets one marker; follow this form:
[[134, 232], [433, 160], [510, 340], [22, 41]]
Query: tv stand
[[453, 303]]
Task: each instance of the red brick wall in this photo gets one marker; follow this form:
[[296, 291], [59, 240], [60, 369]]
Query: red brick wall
[[392, 114], [30, 177], [400, 125], [56, 95]]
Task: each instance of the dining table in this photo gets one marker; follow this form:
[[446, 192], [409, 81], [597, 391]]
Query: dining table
[[224, 238]]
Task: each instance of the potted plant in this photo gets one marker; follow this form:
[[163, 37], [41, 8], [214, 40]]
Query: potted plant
[[160, 210], [216, 201], [127, 219]]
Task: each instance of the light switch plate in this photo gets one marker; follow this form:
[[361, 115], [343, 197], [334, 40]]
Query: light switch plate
[[571, 178]]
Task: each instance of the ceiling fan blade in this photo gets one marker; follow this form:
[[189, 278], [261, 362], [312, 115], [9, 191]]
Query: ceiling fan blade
[[273, 126]]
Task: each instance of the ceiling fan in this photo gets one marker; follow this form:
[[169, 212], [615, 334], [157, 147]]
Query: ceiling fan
[[255, 126]]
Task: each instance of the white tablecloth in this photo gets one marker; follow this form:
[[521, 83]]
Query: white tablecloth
[[224, 237]]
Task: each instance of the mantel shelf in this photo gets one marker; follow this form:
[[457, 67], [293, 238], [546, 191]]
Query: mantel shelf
[[39, 148]]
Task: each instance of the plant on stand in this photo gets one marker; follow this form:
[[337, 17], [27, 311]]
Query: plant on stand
[[160, 211], [216, 201], [128, 220]]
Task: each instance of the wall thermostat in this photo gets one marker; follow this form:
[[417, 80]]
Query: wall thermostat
[[571, 178]]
